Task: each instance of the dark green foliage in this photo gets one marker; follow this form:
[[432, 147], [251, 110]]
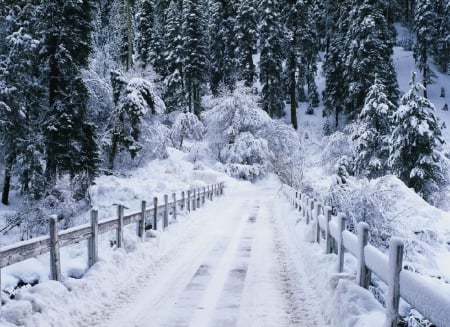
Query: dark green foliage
[[246, 34], [414, 143], [272, 55], [222, 45], [195, 52]]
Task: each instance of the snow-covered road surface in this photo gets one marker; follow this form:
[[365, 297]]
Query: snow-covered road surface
[[232, 269]]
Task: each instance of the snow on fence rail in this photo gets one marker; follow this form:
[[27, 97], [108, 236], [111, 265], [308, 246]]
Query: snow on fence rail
[[413, 288], [21, 251]]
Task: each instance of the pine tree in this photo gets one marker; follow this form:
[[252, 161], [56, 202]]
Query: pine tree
[[441, 49], [425, 19], [270, 65], [20, 101], [145, 26], [373, 132], [69, 135], [195, 52], [246, 37], [174, 95], [413, 152], [222, 45], [368, 54]]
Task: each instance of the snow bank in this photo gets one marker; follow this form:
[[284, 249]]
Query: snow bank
[[345, 304]]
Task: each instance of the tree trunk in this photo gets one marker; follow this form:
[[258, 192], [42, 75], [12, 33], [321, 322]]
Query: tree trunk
[[292, 91], [6, 185], [425, 72]]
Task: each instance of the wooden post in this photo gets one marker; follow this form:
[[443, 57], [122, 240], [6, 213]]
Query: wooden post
[[204, 195], [189, 200], [309, 204], [328, 238], [183, 201], [341, 249], [363, 274], [212, 192], [208, 192], [198, 197], [316, 218], [141, 223], [222, 185], [166, 211], [396, 248], [55, 260], [155, 213], [295, 202], [174, 195], [119, 225], [93, 240], [193, 199]]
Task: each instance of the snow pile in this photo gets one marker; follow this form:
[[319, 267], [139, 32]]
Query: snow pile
[[345, 304]]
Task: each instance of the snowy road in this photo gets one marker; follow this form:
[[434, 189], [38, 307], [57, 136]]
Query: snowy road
[[232, 269]]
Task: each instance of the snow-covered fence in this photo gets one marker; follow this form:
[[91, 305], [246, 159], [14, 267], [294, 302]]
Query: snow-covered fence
[[55, 240], [408, 285]]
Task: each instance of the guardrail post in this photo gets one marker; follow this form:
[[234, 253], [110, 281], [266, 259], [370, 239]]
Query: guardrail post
[[341, 249], [174, 195], [396, 248], [166, 211], [141, 223], [193, 199], [189, 200], [328, 238], [93, 240], [155, 213], [363, 274], [316, 218], [183, 201], [55, 259], [119, 225]]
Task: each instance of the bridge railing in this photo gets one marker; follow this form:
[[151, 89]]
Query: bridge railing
[[413, 288], [189, 200]]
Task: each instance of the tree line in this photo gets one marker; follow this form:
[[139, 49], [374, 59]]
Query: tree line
[[83, 82]]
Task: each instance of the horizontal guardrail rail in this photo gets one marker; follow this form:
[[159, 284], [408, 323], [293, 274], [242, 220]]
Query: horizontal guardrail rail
[[413, 288], [51, 243]]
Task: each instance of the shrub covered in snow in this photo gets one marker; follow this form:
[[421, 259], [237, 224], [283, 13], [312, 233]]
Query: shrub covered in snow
[[186, 125]]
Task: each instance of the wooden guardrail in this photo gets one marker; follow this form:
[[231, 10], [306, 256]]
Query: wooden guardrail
[[189, 200], [408, 285]]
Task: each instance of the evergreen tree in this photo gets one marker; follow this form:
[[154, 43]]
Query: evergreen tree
[[372, 133], [222, 45], [270, 65], [413, 152], [246, 30], [21, 91], [334, 66], [195, 52], [425, 19], [69, 135], [441, 49], [174, 95], [368, 54], [145, 26]]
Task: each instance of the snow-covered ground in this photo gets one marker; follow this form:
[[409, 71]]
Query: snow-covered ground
[[241, 260]]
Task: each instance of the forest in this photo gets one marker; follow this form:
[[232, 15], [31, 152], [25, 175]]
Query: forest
[[91, 88]]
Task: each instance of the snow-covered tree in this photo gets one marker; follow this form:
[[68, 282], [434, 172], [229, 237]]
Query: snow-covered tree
[[272, 55], [186, 126], [246, 30], [195, 52], [132, 120], [414, 155], [425, 21], [372, 133], [222, 45], [230, 115]]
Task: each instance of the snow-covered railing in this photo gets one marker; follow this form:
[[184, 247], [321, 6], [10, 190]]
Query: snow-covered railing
[[21, 251], [408, 285]]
